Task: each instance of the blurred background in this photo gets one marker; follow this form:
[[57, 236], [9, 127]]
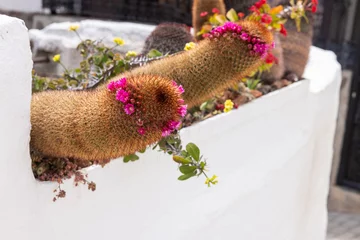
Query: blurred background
[[337, 28]]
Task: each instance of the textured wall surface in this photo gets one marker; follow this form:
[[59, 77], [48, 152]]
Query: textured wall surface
[[272, 156]]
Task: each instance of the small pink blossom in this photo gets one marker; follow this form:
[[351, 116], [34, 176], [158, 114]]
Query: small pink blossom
[[129, 109], [203, 14], [181, 101], [122, 96], [174, 83], [172, 125], [121, 83], [181, 89], [141, 131], [165, 132], [111, 86], [182, 110]]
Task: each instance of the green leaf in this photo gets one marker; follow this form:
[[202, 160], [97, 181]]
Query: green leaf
[[193, 150], [154, 53], [187, 169], [182, 160], [142, 150], [232, 16], [186, 176], [131, 157], [220, 18]]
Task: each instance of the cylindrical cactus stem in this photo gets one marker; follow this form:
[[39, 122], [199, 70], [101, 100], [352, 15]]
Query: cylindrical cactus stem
[[201, 6], [168, 38], [227, 55], [106, 123], [277, 71]]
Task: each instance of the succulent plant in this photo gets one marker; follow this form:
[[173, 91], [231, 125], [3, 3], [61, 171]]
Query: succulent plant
[[168, 38], [111, 121], [223, 58]]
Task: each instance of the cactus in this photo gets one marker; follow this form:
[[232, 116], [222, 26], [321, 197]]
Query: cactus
[[168, 38], [277, 71], [108, 122], [217, 62], [200, 6], [295, 46]]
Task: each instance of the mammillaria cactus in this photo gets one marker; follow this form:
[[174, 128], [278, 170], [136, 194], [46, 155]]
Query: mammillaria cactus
[[108, 122], [168, 38], [222, 59], [201, 7]]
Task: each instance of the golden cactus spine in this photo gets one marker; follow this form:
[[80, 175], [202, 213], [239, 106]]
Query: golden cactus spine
[[201, 6], [106, 123], [227, 55]]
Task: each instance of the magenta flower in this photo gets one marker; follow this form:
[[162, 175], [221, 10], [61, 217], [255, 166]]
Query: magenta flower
[[181, 101], [129, 109], [172, 125], [111, 86], [122, 96], [121, 83], [182, 110], [181, 89], [165, 132], [174, 83], [141, 131]]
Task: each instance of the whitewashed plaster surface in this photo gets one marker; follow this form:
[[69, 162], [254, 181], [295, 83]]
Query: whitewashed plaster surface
[[272, 156]]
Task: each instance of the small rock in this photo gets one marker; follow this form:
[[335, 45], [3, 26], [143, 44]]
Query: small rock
[[278, 84], [265, 89], [292, 77], [240, 100], [256, 93], [285, 82]]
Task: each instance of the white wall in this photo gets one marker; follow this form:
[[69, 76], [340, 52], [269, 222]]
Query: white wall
[[273, 157], [21, 5]]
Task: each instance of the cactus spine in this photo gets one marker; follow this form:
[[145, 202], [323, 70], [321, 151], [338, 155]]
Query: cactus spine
[[105, 123], [228, 54], [200, 6]]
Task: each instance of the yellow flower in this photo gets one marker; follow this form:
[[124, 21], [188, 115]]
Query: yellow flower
[[213, 180], [56, 58], [119, 41], [131, 54], [276, 10], [189, 46], [73, 27], [229, 104]]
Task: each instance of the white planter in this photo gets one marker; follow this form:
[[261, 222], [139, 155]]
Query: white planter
[[272, 156]]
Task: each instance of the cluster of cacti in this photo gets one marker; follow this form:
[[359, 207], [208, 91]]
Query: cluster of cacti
[[124, 117], [229, 53], [293, 50], [205, 6], [168, 38]]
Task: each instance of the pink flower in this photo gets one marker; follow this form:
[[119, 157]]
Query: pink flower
[[141, 131], [121, 83], [182, 110], [181, 89], [174, 83], [165, 132], [111, 86], [122, 96], [181, 101], [203, 14], [129, 109], [215, 10], [172, 125]]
